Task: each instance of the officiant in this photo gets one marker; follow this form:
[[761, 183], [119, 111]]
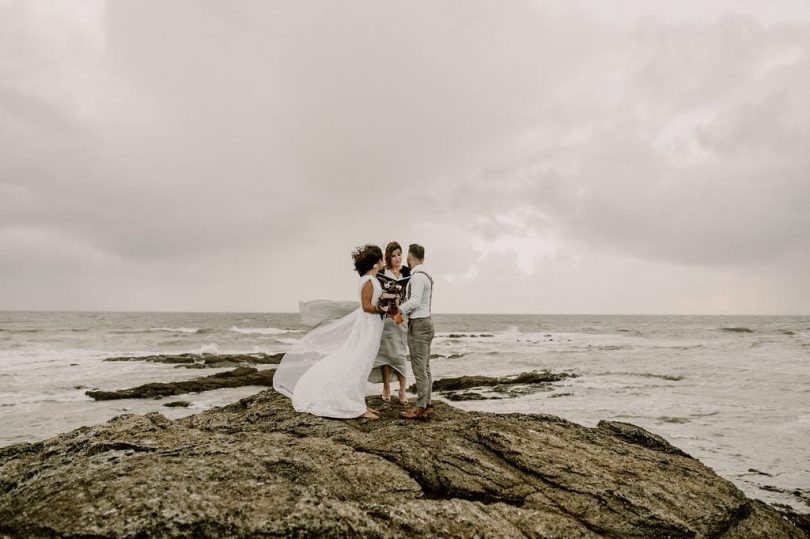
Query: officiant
[[392, 359]]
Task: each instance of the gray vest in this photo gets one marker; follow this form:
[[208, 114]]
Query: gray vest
[[430, 301]]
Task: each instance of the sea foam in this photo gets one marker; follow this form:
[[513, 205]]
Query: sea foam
[[263, 331]]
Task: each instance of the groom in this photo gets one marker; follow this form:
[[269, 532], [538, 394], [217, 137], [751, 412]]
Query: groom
[[419, 295]]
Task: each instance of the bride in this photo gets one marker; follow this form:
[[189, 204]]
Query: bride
[[325, 373]]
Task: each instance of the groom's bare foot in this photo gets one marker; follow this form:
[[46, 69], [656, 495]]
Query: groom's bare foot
[[372, 410], [370, 415]]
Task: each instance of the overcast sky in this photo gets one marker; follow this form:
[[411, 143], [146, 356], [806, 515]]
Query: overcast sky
[[552, 156]]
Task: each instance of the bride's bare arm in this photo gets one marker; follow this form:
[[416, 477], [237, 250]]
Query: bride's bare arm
[[365, 299]]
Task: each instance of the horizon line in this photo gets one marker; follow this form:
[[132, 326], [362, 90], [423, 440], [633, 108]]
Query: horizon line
[[437, 313]]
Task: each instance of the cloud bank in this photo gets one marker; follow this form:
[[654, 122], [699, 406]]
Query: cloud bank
[[551, 156]]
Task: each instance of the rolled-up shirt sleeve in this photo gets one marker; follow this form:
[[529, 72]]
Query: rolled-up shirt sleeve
[[417, 289]]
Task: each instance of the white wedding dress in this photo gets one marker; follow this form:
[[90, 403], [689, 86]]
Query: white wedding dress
[[325, 373]]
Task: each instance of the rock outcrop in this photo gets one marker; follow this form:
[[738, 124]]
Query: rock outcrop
[[501, 387], [239, 377], [202, 361], [258, 469], [467, 382]]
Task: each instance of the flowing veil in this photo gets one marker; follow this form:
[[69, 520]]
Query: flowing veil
[[321, 311], [334, 322]]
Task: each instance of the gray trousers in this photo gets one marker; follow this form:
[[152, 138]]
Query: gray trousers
[[420, 336]]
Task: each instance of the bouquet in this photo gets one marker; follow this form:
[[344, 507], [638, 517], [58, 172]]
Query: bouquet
[[392, 295]]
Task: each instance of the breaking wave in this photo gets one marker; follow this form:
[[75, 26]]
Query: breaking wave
[[263, 331]]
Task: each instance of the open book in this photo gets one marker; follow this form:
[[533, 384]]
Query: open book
[[393, 293]]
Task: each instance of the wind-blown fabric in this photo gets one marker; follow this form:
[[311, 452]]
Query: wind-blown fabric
[[319, 311], [325, 373]]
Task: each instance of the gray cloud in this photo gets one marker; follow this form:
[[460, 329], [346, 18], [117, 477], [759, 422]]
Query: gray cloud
[[706, 165], [203, 155]]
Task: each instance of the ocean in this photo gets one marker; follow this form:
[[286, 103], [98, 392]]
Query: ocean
[[732, 391]]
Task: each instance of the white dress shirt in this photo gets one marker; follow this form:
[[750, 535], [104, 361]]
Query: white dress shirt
[[418, 306]]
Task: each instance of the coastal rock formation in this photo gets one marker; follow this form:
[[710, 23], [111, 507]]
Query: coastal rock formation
[[467, 382], [201, 361], [257, 468], [502, 387], [239, 377]]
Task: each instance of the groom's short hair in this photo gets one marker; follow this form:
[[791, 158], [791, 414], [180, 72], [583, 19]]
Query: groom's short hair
[[417, 251]]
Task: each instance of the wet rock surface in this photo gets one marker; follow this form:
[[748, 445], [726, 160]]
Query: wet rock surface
[[201, 361], [451, 356], [801, 521], [257, 468], [241, 376], [467, 388], [177, 404], [467, 382]]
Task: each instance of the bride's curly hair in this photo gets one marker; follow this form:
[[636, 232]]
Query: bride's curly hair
[[365, 257]]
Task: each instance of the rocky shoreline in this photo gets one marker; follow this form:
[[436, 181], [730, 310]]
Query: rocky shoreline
[[238, 377], [203, 361], [454, 389], [466, 388], [258, 468]]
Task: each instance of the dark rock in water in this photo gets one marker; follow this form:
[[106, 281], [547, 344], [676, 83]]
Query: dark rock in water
[[510, 391], [258, 469], [803, 495], [451, 356], [788, 332], [242, 359], [671, 377], [458, 396], [737, 330], [200, 361], [759, 472], [672, 419], [242, 376], [506, 387], [468, 382], [181, 358], [497, 392], [177, 404]]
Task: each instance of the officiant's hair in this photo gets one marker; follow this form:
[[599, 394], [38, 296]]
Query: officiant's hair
[[416, 251], [389, 252], [365, 257]]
